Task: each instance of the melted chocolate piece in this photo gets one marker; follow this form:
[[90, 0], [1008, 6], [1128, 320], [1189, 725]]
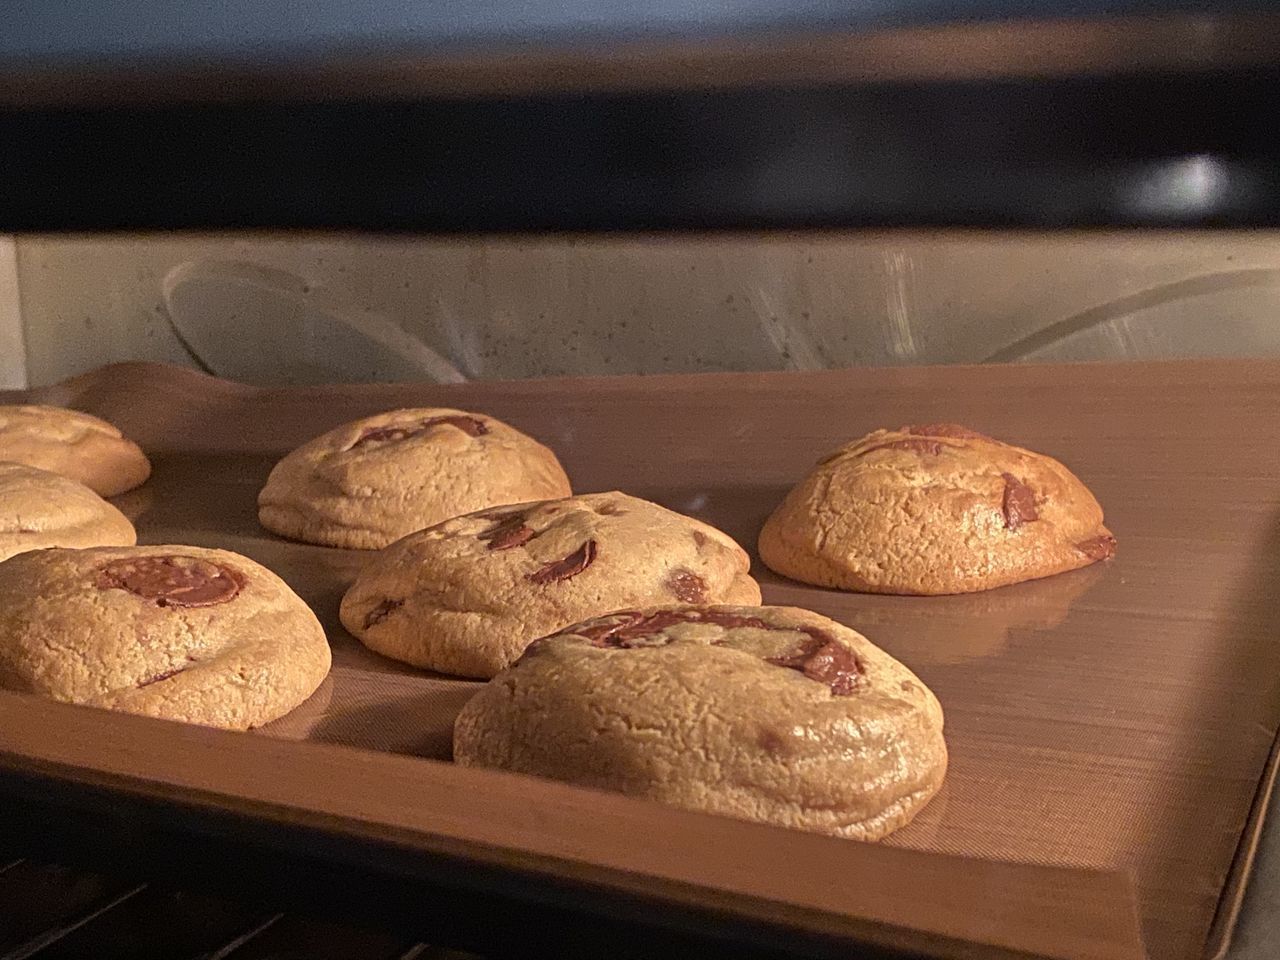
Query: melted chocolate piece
[[381, 612], [687, 586], [952, 430], [632, 629], [823, 658], [172, 581], [629, 629], [1098, 548], [699, 539], [471, 426], [835, 665], [508, 532], [795, 660], [1019, 504], [509, 537], [820, 657], [609, 632], [566, 568]]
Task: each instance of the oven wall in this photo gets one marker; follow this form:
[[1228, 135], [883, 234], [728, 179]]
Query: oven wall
[[13, 355], [267, 309]]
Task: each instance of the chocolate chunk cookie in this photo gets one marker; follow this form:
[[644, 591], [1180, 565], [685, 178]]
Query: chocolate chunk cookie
[[367, 484], [72, 444], [40, 509], [182, 633], [934, 509], [466, 597], [766, 713]]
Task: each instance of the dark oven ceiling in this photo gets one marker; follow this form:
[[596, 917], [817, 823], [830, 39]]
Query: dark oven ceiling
[[594, 116]]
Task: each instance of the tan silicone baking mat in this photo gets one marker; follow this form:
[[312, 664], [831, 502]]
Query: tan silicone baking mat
[[1119, 716]]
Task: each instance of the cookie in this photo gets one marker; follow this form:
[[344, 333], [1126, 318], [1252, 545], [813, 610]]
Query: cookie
[[772, 714], [181, 633], [467, 596], [367, 484], [40, 509], [72, 444], [931, 510]]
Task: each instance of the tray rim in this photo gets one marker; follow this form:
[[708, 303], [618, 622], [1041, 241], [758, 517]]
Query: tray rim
[[1231, 901], [78, 750]]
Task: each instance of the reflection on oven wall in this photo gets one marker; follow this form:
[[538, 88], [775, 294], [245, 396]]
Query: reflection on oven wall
[[303, 311]]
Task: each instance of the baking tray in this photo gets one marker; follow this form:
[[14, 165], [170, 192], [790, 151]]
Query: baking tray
[[1110, 729]]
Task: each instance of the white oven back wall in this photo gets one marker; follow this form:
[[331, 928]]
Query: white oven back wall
[[13, 354], [272, 310]]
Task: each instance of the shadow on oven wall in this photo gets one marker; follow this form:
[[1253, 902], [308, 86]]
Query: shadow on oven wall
[[305, 310]]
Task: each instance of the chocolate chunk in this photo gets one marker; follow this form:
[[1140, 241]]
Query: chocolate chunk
[[817, 638], [1019, 505], [628, 628], [819, 657], [931, 447], [565, 568], [1098, 548], [172, 581], [603, 630], [383, 435], [381, 612], [952, 430], [471, 426], [508, 532], [823, 658], [699, 539], [687, 586], [509, 537], [835, 665]]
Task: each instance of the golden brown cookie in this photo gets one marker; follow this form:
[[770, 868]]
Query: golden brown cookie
[[181, 633], [934, 509], [73, 444], [767, 713], [40, 509], [367, 484], [467, 596]]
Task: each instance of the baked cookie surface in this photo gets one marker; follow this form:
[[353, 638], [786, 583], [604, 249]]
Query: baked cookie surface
[[368, 483], [934, 509], [467, 596], [773, 714], [72, 444], [40, 509], [183, 633]]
